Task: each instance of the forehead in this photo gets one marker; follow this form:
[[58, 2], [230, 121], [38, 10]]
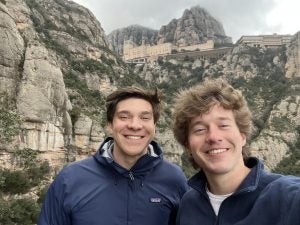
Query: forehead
[[217, 112], [134, 104]]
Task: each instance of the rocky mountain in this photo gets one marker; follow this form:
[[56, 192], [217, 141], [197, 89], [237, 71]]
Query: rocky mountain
[[49, 54], [195, 26], [56, 69]]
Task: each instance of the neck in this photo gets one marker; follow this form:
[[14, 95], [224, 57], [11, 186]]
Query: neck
[[126, 161], [222, 184]]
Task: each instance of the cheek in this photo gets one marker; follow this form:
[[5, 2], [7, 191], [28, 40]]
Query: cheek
[[194, 142], [150, 127], [117, 126]]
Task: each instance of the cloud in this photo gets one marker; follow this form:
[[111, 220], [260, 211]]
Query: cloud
[[239, 17]]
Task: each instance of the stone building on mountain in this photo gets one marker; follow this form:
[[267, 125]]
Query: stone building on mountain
[[144, 53], [196, 26]]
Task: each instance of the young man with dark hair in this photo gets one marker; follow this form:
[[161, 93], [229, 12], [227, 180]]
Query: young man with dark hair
[[127, 181], [212, 121]]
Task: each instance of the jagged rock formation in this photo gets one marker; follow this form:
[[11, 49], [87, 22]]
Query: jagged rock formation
[[194, 27], [293, 65], [56, 68]]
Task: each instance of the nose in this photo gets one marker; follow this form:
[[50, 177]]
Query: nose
[[213, 135], [135, 124]]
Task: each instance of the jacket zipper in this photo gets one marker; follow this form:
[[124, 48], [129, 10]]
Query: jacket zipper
[[131, 176]]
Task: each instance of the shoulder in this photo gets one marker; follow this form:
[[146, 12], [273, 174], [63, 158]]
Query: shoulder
[[170, 165], [77, 170], [286, 186], [290, 183], [172, 169], [79, 165], [172, 174], [283, 193], [192, 196]]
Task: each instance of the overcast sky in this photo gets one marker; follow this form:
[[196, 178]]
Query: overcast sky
[[238, 17]]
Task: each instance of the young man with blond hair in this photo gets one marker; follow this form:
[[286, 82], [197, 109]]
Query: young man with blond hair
[[213, 122]]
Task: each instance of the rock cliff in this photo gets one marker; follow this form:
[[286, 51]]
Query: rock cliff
[[194, 27], [56, 68]]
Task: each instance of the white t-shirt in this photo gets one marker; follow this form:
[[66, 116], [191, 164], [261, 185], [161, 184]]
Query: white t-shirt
[[216, 200]]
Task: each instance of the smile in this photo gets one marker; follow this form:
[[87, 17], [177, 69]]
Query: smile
[[217, 151], [133, 137]]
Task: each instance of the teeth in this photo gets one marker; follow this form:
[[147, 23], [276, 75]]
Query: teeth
[[216, 151], [134, 137]]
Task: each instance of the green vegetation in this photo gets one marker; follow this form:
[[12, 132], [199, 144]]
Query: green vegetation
[[269, 87], [90, 65], [176, 80], [84, 100], [291, 164], [187, 166], [9, 119], [43, 22], [19, 211], [9, 125], [30, 174]]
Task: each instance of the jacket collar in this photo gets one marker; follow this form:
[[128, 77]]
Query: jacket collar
[[142, 167], [107, 148], [250, 183]]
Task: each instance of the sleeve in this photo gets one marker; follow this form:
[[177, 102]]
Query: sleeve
[[53, 211], [293, 204]]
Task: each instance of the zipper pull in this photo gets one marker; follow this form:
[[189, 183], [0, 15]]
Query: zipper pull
[[131, 176]]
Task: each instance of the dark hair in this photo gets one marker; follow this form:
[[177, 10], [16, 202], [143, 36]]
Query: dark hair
[[121, 94], [200, 99]]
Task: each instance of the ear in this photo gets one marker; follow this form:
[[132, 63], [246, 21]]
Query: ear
[[109, 129], [244, 139]]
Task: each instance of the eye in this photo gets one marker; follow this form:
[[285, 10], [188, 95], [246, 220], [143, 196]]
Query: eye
[[199, 130], [123, 117], [224, 126], [146, 117], [202, 130]]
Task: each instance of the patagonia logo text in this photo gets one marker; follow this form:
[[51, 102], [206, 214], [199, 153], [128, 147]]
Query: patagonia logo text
[[155, 200]]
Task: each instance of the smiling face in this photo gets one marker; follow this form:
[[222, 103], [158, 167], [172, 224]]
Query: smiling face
[[133, 129], [215, 142]]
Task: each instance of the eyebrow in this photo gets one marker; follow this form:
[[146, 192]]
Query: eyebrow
[[128, 112], [201, 122]]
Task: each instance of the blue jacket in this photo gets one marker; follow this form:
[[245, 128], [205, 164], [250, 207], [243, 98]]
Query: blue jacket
[[262, 199], [98, 191]]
